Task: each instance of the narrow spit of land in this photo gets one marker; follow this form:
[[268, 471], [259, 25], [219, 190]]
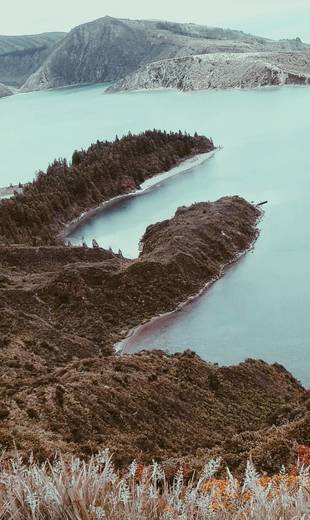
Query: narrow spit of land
[[65, 191]]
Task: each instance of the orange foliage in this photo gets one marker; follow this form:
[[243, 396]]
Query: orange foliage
[[224, 500], [139, 472], [304, 455]]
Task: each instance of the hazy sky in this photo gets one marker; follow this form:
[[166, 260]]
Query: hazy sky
[[274, 18]]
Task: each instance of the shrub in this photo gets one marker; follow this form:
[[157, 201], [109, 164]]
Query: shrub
[[94, 490]]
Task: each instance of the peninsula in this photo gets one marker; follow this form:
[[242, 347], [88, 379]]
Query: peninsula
[[63, 309]]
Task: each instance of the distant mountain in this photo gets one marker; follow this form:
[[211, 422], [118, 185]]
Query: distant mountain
[[5, 91], [223, 70], [20, 56], [108, 49]]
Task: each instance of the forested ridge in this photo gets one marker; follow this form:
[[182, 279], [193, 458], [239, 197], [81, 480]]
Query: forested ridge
[[105, 170]]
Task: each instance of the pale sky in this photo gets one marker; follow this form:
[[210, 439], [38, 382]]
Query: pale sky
[[273, 18]]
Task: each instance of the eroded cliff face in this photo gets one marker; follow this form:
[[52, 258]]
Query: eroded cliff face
[[246, 70], [108, 49], [20, 56]]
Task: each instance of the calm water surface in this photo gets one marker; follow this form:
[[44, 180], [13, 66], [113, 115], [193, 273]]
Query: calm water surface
[[260, 308]]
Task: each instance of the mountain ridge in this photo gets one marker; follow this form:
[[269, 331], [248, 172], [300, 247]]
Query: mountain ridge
[[139, 54], [5, 91], [108, 49], [20, 56]]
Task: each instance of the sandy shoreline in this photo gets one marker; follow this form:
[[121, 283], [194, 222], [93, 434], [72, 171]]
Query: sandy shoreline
[[120, 346], [184, 166]]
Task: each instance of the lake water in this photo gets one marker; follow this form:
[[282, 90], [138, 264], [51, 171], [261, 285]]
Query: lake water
[[260, 308]]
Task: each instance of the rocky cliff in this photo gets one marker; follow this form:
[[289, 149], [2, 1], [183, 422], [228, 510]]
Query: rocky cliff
[[227, 70], [20, 56], [108, 49]]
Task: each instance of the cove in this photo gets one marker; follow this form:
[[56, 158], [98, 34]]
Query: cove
[[260, 308]]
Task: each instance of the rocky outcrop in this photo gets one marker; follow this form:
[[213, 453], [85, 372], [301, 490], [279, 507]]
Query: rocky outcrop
[[222, 71], [20, 56], [108, 49], [5, 91]]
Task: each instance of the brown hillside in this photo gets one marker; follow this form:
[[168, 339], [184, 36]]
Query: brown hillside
[[63, 308]]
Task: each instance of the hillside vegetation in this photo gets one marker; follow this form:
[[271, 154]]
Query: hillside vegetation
[[96, 491], [64, 389], [103, 171], [62, 310]]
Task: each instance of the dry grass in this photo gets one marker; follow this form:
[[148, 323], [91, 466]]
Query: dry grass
[[94, 490]]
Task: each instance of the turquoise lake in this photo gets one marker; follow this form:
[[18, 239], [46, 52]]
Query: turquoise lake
[[260, 308]]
